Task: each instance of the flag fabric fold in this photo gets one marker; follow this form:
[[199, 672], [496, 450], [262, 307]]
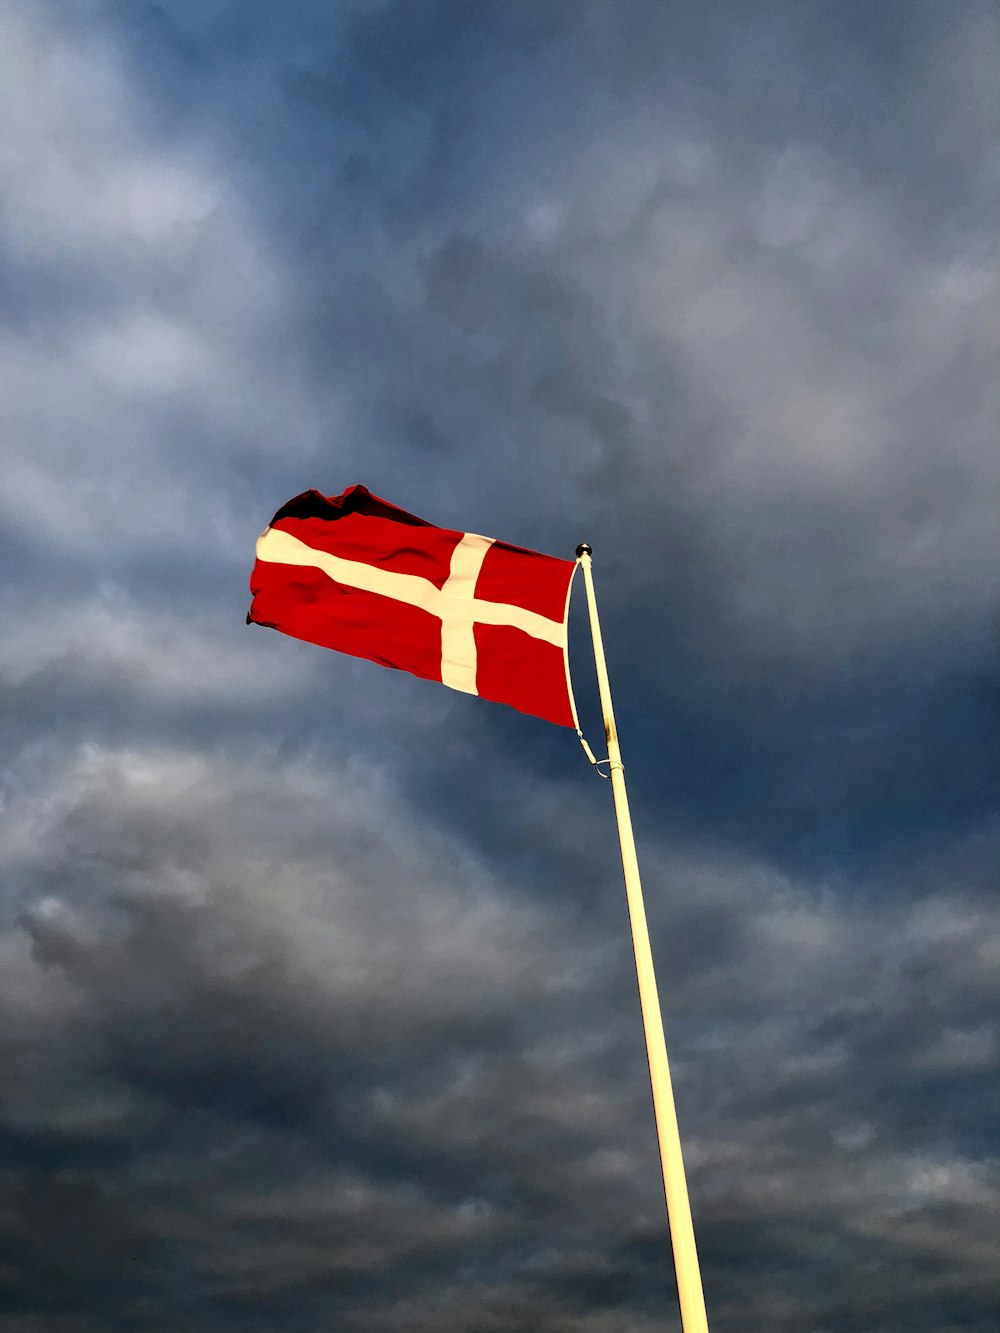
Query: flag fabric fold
[[355, 573]]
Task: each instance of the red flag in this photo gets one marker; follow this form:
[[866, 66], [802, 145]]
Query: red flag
[[354, 573]]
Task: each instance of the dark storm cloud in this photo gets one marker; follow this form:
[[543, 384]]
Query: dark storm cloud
[[317, 995], [268, 1024]]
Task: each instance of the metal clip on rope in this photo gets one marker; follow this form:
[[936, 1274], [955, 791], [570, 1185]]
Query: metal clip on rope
[[597, 763]]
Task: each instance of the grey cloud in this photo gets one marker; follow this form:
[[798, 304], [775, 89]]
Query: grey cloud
[[316, 990], [263, 1056]]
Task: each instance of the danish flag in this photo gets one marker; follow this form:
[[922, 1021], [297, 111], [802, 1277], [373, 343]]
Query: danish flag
[[354, 573]]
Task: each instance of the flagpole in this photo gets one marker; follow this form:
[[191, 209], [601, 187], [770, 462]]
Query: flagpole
[[692, 1301]]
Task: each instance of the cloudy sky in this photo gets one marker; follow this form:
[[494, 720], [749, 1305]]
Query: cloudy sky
[[318, 1004]]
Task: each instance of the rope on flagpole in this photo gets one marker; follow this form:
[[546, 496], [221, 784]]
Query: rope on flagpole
[[689, 1290], [596, 763]]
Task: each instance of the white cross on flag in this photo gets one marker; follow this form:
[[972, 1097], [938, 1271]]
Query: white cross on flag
[[354, 573]]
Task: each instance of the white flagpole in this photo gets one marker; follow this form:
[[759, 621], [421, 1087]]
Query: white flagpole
[[689, 1291]]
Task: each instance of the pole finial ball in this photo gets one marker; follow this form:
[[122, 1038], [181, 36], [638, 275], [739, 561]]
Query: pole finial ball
[[584, 548]]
